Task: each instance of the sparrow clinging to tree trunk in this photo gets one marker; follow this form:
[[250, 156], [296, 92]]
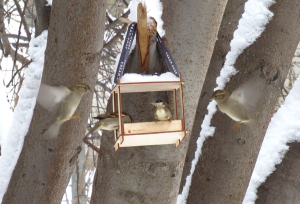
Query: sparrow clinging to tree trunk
[[240, 105]]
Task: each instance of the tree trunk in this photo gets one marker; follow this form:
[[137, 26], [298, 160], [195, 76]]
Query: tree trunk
[[232, 14], [152, 174], [43, 16], [74, 42], [227, 160], [282, 186]]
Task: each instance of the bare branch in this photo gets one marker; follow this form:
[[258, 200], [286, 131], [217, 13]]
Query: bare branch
[[117, 22], [17, 72], [91, 145], [23, 21], [17, 36], [8, 50]]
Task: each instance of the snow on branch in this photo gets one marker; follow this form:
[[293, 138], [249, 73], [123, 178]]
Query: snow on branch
[[283, 129], [12, 143]]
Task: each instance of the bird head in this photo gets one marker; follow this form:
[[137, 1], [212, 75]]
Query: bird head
[[81, 88], [220, 95], [158, 103]]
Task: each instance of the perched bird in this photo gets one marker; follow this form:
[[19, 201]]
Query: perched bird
[[61, 100], [109, 121], [241, 104], [161, 111]]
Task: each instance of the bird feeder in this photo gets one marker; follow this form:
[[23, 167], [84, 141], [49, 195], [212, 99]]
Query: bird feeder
[[149, 133], [156, 132]]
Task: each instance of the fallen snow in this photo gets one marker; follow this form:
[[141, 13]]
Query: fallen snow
[[133, 77], [250, 27], [13, 141]]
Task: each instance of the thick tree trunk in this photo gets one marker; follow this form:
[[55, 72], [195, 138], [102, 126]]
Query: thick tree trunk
[[74, 42], [225, 166], [282, 186], [232, 14], [152, 174]]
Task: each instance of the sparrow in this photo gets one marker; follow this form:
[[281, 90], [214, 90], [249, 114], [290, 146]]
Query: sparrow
[[240, 104], [231, 106], [63, 102], [109, 121], [161, 111]]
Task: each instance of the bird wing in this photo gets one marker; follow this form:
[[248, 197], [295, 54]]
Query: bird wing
[[49, 97], [107, 115], [112, 115], [248, 93]]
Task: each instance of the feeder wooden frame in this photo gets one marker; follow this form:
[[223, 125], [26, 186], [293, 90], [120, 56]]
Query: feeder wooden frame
[[139, 134]]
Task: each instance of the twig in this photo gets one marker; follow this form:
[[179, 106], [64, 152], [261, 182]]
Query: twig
[[12, 78], [91, 145], [19, 33], [23, 21]]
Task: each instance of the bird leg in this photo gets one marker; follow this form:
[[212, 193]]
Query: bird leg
[[237, 126], [75, 117]]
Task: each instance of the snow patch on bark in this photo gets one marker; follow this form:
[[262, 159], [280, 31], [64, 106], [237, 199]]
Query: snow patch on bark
[[12, 143], [250, 27]]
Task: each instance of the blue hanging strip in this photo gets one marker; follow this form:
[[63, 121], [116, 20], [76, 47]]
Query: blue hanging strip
[[167, 58], [125, 51]]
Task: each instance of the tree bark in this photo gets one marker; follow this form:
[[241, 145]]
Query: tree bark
[[43, 16], [227, 160], [282, 186], [74, 42], [152, 174], [232, 14]]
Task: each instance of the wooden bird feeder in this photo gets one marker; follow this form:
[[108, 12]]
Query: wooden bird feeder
[[149, 133]]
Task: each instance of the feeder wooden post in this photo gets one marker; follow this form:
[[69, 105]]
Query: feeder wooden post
[[143, 36], [175, 103]]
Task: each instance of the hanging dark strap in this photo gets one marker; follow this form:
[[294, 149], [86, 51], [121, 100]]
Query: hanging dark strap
[[167, 58], [125, 51]]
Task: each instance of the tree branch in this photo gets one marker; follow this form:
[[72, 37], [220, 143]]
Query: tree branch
[[23, 21], [91, 145]]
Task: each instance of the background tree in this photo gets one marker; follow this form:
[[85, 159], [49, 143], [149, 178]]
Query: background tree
[[228, 158], [44, 167], [232, 14]]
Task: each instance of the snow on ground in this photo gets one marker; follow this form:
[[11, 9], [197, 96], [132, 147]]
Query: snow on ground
[[250, 27], [12, 143], [283, 129]]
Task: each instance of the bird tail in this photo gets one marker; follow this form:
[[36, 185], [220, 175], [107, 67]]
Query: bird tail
[[53, 130]]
